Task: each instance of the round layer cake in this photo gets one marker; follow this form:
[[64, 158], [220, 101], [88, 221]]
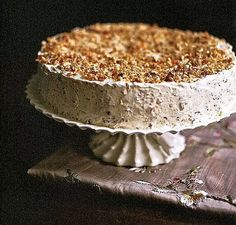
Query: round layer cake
[[137, 76]]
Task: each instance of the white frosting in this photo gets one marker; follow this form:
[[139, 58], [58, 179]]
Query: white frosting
[[139, 105]]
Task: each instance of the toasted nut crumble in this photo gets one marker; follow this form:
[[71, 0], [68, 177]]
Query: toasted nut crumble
[[136, 52]]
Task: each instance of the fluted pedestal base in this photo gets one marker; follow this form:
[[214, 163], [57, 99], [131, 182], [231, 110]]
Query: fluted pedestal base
[[137, 150]]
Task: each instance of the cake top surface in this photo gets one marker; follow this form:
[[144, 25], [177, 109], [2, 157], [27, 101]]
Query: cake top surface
[[136, 52]]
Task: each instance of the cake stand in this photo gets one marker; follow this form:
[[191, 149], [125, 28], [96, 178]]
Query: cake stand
[[125, 147]]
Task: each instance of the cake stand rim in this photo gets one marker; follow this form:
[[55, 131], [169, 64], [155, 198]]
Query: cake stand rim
[[34, 99]]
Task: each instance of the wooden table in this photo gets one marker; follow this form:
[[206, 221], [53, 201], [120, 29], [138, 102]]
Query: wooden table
[[170, 193]]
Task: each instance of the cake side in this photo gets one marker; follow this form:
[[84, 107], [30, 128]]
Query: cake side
[[138, 105]]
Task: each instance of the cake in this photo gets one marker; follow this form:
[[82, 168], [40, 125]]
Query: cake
[[137, 76]]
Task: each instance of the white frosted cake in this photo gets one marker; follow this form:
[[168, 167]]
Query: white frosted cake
[[137, 76]]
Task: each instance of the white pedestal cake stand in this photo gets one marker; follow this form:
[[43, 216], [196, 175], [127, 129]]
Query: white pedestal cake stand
[[124, 147]]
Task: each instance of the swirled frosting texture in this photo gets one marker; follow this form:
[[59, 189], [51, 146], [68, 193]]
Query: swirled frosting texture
[[138, 105]]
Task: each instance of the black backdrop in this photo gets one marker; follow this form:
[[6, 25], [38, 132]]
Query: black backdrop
[[26, 135], [26, 23]]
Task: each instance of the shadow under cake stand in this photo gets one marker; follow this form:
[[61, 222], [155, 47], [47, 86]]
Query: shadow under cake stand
[[125, 147]]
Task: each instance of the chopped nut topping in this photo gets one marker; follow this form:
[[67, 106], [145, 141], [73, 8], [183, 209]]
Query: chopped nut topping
[[136, 53]]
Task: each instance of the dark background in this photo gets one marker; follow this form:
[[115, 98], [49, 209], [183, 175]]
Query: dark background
[[26, 23], [26, 135]]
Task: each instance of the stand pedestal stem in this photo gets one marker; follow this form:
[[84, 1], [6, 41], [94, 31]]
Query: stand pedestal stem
[[137, 150]]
